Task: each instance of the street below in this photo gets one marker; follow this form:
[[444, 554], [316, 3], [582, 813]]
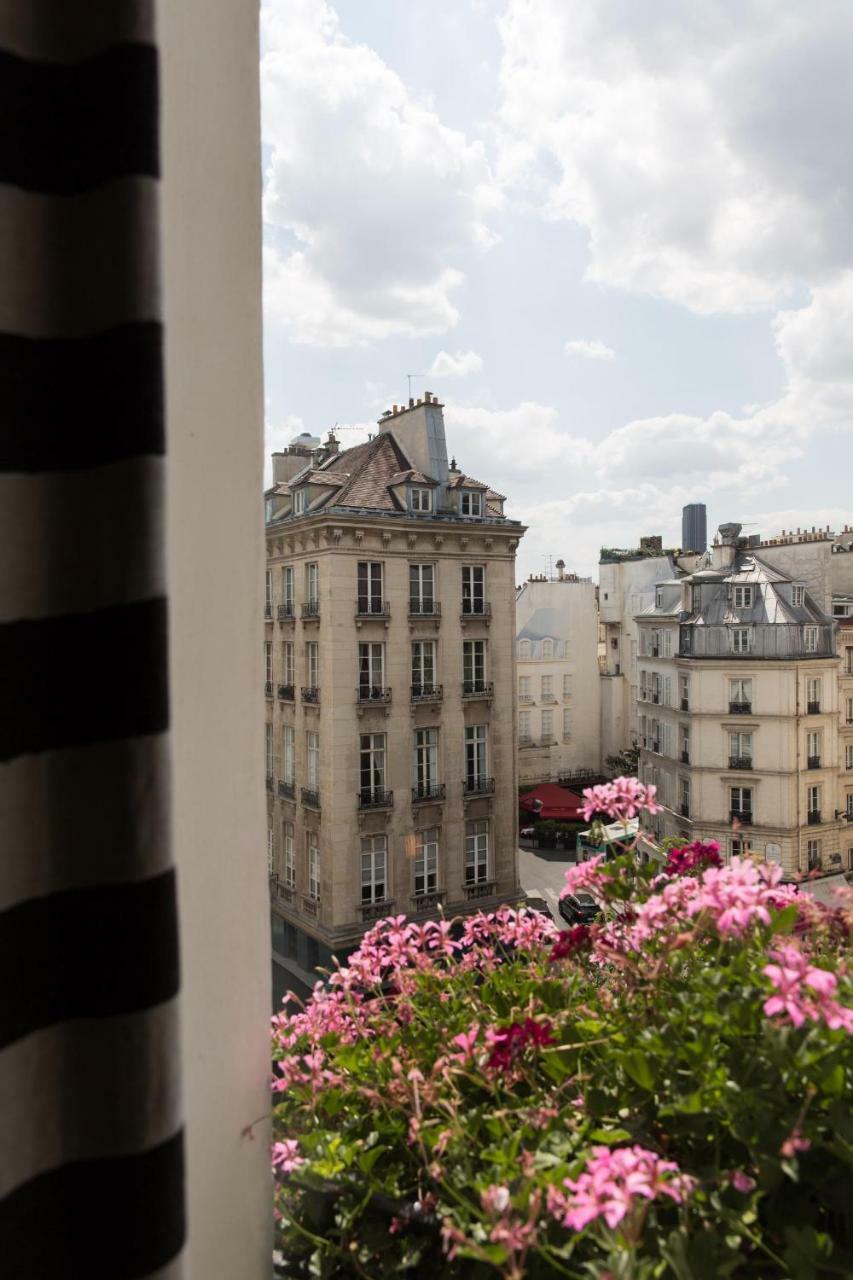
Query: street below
[[543, 872]]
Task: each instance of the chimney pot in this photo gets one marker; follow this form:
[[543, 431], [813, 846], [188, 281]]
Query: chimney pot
[[427, 397], [395, 409], [420, 401], [411, 402]]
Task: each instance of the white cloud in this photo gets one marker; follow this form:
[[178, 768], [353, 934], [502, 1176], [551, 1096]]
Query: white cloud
[[591, 349], [461, 365], [375, 200], [699, 144]]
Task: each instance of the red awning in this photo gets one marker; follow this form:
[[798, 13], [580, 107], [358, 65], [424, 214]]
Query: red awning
[[558, 804]]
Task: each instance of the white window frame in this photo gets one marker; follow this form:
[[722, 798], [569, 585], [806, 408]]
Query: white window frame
[[848, 711], [313, 860], [743, 597], [425, 869], [288, 754], [740, 806], [372, 763], [370, 586], [567, 724], [548, 648], [423, 664], [813, 743], [299, 501], [848, 756], [474, 662], [547, 726], [312, 583], [269, 750], [524, 649], [546, 687], [271, 851], [425, 760], [741, 639], [811, 639], [421, 499], [288, 662], [814, 690], [288, 860], [476, 753], [268, 589], [798, 596], [268, 662], [524, 687], [471, 503], [287, 586], [421, 588], [740, 744], [371, 666], [524, 726], [473, 589], [814, 854], [567, 687], [312, 759], [740, 690], [374, 869], [476, 852], [813, 798]]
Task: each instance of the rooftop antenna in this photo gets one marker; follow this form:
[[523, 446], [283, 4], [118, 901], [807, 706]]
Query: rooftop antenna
[[413, 375]]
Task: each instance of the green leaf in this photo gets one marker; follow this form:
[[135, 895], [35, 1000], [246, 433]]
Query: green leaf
[[610, 1136], [637, 1066], [784, 920], [833, 1082]]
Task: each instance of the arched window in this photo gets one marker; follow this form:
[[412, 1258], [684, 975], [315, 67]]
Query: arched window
[[524, 648], [547, 648]]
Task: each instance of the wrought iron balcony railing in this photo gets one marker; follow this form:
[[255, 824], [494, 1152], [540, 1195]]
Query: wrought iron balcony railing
[[484, 889], [369, 695], [477, 689], [375, 798], [268, 688], [813, 708], [310, 798], [378, 609], [476, 608], [311, 611], [743, 816], [426, 791], [424, 608], [310, 693], [740, 708], [813, 762], [286, 612], [286, 692], [477, 785], [427, 692], [287, 790], [740, 762], [813, 817]]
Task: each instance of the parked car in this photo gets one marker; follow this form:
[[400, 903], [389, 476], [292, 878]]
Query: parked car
[[534, 902], [579, 908]]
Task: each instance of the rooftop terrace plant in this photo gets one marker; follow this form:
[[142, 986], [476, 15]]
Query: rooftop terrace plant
[[662, 1094]]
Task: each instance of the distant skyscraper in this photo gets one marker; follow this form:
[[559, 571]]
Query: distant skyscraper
[[694, 527]]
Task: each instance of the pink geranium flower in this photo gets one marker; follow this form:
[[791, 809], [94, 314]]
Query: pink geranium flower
[[285, 1155], [621, 800], [613, 1182]]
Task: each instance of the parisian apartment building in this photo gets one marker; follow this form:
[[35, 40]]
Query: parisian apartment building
[[559, 692], [390, 686], [745, 698]]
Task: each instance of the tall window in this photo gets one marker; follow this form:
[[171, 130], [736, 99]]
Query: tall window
[[695, 599], [271, 851], [426, 861], [472, 503], [476, 852], [425, 762], [813, 693], [288, 860], [524, 648], [813, 743], [374, 868], [666, 637], [848, 756], [288, 753], [422, 499], [848, 710], [269, 750], [524, 726], [684, 691], [848, 660], [422, 588], [423, 666], [298, 502], [798, 596], [684, 796], [741, 639], [813, 854], [810, 639], [740, 748], [567, 687], [476, 762], [312, 662], [547, 648], [547, 726], [741, 801], [546, 687], [372, 772], [524, 687], [473, 598], [741, 846], [567, 723], [268, 593], [684, 741], [313, 866], [312, 585], [312, 744], [849, 809], [474, 665], [287, 589], [268, 662], [371, 670], [813, 801], [740, 694], [287, 662], [743, 597], [370, 597]]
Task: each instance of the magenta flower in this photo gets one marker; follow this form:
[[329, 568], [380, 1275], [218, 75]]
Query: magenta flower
[[585, 875], [804, 992], [742, 1182], [285, 1155], [570, 941], [509, 1043], [697, 856], [621, 800], [613, 1183]]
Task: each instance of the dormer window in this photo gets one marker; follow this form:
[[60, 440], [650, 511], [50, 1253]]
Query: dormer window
[[421, 499], [696, 599], [298, 502], [743, 597], [659, 598], [798, 597], [472, 503]]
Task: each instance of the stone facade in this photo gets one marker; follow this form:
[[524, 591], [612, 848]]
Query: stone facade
[[380, 799]]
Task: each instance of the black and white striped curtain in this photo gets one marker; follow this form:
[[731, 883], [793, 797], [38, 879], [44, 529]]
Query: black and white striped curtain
[[91, 1167]]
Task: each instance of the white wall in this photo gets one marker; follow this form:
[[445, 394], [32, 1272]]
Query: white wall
[[212, 225]]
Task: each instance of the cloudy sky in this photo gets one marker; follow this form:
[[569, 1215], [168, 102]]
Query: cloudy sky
[[615, 238]]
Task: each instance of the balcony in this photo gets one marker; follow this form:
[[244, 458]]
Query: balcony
[[685, 757], [813, 817], [743, 816], [311, 611], [476, 611], [287, 790], [813, 762], [286, 692], [525, 697], [427, 693], [372, 611], [286, 612], [281, 891], [684, 810], [375, 798], [477, 689], [372, 695], [547, 698], [428, 792], [270, 782], [310, 798], [485, 889], [377, 910], [311, 693], [268, 689], [311, 906], [525, 740], [475, 785], [813, 708], [429, 900], [685, 704], [428, 609], [740, 708], [740, 762]]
